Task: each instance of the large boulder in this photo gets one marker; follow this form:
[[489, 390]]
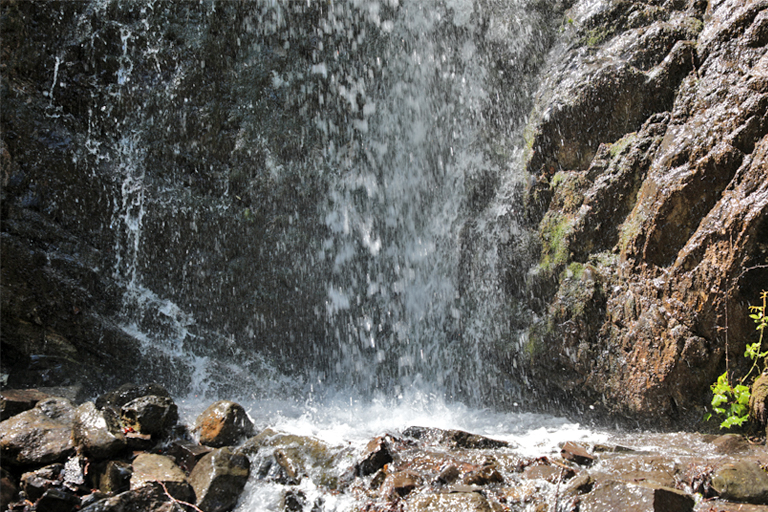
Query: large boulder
[[218, 479], [40, 436], [153, 415], [612, 495]]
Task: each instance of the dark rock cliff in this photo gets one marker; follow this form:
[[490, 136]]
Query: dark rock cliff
[[649, 145]]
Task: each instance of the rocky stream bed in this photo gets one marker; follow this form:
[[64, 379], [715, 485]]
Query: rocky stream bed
[[127, 451]]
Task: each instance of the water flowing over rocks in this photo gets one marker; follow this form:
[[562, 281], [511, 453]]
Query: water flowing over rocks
[[168, 209], [418, 469]]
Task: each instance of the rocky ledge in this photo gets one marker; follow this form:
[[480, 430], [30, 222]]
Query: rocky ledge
[[127, 451]]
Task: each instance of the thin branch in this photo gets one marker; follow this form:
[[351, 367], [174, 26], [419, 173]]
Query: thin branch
[[174, 499]]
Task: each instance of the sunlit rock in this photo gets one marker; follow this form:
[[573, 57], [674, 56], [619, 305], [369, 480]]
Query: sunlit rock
[[218, 479], [97, 432], [39, 436], [159, 470], [576, 453], [742, 481], [399, 484], [223, 423]]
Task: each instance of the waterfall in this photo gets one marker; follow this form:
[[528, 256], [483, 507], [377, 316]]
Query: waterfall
[[329, 190]]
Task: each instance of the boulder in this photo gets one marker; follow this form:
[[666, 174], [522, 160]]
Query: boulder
[[453, 438], [611, 495], [151, 414], [224, 423], [150, 468], [218, 479], [97, 432], [187, 454], [39, 436], [58, 499], [119, 397], [742, 481], [758, 401]]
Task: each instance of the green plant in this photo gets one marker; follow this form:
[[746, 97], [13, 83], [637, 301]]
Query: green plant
[[732, 402]]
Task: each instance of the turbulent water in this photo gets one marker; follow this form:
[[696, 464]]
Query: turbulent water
[[378, 143]]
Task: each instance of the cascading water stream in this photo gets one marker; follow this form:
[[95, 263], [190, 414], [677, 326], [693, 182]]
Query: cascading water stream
[[397, 125]]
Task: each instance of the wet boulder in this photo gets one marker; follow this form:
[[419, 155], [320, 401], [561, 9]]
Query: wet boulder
[[224, 423], [218, 479], [289, 457], [127, 392], [742, 481], [58, 499], [576, 453], [40, 436], [153, 469], [187, 454], [453, 438], [611, 495], [152, 414], [97, 432]]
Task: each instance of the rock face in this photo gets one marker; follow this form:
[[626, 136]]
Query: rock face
[[98, 433], [649, 153]]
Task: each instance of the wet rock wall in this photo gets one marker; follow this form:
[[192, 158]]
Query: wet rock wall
[[650, 193]]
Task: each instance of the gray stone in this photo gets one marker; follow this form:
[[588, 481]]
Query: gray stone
[[464, 501], [149, 498]]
